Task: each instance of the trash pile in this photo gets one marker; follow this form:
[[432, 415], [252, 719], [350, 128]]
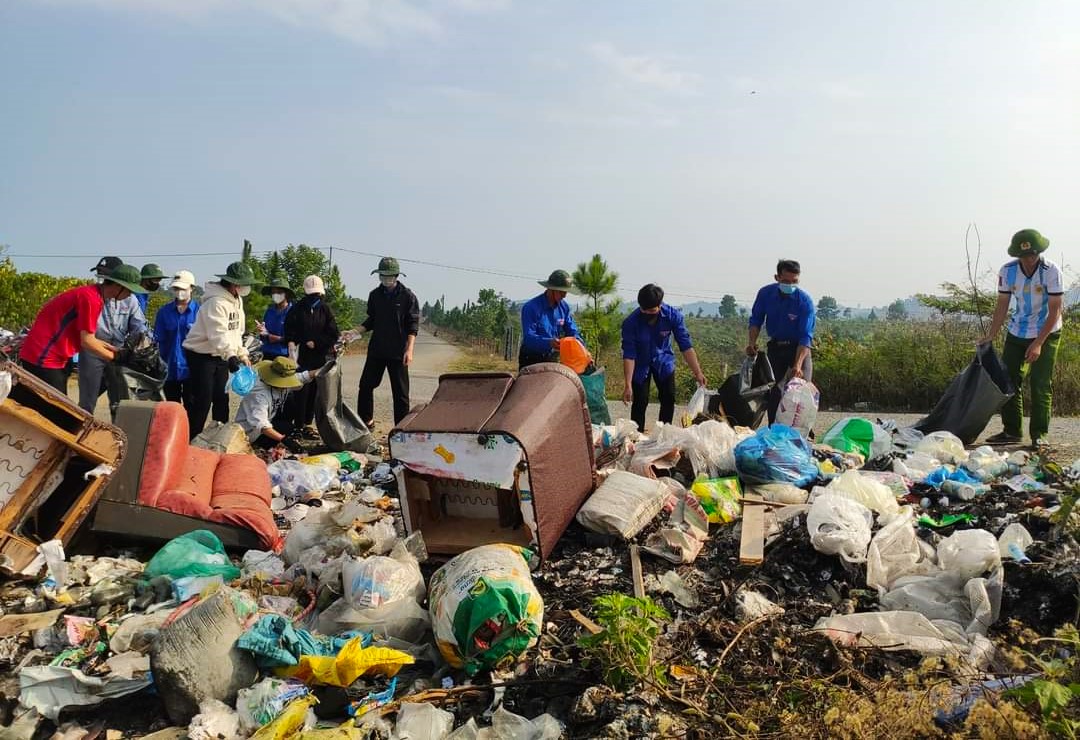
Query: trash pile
[[718, 581]]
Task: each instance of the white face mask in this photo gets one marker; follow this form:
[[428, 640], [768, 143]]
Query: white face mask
[[277, 297], [243, 290], [99, 279], [182, 295], [388, 281]]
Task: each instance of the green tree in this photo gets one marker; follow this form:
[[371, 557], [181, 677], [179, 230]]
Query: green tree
[[828, 308], [595, 280], [729, 309], [960, 300], [872, 316], [896, 311], [847, 312], [22, 294]]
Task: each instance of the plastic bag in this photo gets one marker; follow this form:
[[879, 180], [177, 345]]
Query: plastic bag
[[595, 385], [574, 355], [699, 402], [243, 380], [214, 721], [868, 492], [839, 526], [916, 466], [969, 553], [377, 580], [893, 630], [403, 619], [198, 553], [332, 530], [422, 721], [780, 493], [854, 434], [297, 716], [295, 479], [943, 446], [986, 464], [799, 405], [896, 551], [716, 447], [776, 454], [624, 503], [1014, 541], [972, 398], [262, 703], [339, 426], [756, 377], [351, 663], [506, 725], [485, 609], [719, 497]]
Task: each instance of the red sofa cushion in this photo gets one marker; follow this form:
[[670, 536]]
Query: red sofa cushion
[[242, 474], [259, 521], [166, 452]]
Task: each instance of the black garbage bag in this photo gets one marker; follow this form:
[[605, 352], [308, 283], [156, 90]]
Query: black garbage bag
[[735, 407], [972, 398], [339, 426], [756, 378]]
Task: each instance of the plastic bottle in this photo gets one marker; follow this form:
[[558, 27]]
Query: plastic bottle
[[963, 491]]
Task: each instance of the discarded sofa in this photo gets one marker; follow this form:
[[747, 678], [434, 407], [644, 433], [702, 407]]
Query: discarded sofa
[[166, 488], [496, 459], [55, 461]]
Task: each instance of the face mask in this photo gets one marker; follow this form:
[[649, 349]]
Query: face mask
[[277, 297], [243, 291], [182, 295], [99, 279], [388, 281], [788, 288]]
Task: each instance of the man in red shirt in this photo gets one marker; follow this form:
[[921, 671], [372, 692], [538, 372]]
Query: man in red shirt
[[66, 325]]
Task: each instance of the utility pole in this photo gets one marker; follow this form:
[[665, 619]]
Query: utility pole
[[331, 259]]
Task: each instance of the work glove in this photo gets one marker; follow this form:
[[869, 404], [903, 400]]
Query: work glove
[[234, 363], [292, 444], [122, 356]]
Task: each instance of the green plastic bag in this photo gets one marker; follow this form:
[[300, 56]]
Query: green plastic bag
[[198, 553], [596, 396], [853, 434]]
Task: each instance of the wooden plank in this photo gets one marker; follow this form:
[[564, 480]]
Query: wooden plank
[[592, 627], [635, 570], [36, 420], [21, 504], [752, 544]]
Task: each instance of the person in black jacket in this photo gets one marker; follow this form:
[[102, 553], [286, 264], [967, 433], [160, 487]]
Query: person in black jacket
[[311, 331], [393, 320]]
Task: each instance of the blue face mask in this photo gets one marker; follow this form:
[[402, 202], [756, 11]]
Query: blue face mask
[[787, 288]]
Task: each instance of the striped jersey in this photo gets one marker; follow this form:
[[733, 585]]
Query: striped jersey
[[1032, 296]]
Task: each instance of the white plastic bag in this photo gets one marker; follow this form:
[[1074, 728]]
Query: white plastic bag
[[716, 446], [893, 630], [332, 529], [916, 466], [944, 446], [870, 493], [625, 503], [969, 553], [697, 405], [839, 526], [799, 405], [506, 725], [1014, 541], [215, 721], [376, 580], [294, 478], [986, 464], [897, 551], [403, 619], [422, 721]]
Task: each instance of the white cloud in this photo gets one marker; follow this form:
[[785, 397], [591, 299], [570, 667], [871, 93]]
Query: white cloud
[[478, 6], [840, 90], [645, 70]]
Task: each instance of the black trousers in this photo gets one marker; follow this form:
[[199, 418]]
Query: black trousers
[[56, 377], [370, 380], [665, 388], [205, 387], [174, 390], [300, 406], [782, 358]]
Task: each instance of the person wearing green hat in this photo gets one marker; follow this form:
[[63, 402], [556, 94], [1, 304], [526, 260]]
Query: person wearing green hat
[[545, 320], [215, 345], [120, 319], [260, 413], [272, 328], [1033, 335], [393, 318], [67, 324], [151, 276]]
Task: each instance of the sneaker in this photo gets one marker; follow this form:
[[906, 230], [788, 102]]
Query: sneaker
[[1042, 444], [1004, 438]]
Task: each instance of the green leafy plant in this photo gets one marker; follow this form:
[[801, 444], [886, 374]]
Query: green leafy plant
[[1057, 687], [624, 647]]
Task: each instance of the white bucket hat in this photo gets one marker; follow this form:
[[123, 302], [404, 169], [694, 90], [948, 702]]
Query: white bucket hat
[[313, 284], [183, 280]]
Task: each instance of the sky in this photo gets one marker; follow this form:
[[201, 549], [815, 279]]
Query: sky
[[691, 144]]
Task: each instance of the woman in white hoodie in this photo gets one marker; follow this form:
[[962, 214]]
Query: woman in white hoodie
[[215, 346]]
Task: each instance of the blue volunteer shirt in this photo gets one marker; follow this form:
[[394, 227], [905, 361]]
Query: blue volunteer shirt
[[274, 320], [170, 330], [541, 322], [649, 345], [787, 318], [119, 319]]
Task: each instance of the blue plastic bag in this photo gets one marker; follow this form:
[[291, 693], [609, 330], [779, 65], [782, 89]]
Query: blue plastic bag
[[959, 475], [776, 454], [243, 380]]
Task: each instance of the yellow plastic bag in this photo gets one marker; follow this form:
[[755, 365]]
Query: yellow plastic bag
[[353, 661], [289, 722], [719, 497]]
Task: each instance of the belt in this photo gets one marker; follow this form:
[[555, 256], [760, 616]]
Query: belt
[[781, 342]]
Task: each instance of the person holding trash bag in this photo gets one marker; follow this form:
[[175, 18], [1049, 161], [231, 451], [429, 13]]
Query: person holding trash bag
[[171, 326], [215, 345], [787, 313], [545, 320], [394, 321], [260, 413], [310, 328], [1033, 336], [272, 329], [647, 353]]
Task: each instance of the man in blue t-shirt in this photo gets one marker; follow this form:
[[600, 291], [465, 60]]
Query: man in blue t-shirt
[[171, 326], [647, 353], [545, 320], [787, 313]]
